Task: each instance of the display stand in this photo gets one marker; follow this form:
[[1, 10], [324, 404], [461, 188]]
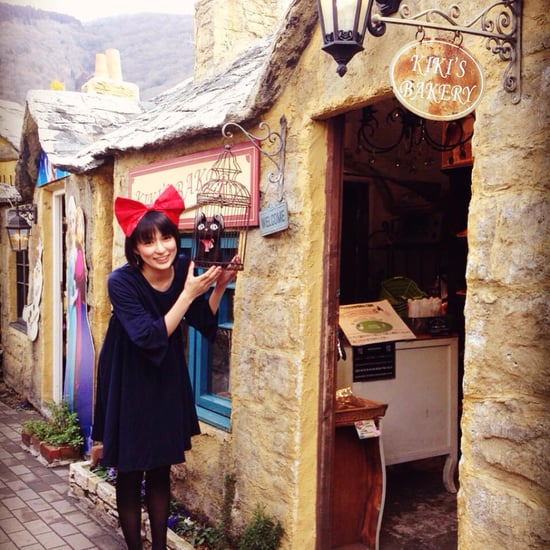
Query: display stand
[[358, 478]]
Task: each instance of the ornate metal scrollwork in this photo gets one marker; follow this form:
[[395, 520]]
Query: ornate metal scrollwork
[[275, 139], [500, 25]]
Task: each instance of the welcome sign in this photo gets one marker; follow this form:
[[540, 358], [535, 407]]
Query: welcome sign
[[437, 79]]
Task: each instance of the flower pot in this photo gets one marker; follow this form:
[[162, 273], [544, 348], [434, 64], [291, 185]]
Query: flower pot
[[50, 452], [96, 453], [69, 453], [35, 443], [65, 452], [26, 439]]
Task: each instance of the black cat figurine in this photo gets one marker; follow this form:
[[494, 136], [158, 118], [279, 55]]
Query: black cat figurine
[[208, 232]]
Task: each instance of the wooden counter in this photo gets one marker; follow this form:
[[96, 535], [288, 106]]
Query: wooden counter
[[358, 477]]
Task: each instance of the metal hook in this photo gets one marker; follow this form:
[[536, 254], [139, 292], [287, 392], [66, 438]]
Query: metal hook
[[458, 38]]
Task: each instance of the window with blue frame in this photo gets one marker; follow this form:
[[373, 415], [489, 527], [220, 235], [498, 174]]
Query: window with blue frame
[[209, 362]]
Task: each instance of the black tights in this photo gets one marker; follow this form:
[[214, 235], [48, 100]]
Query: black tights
[[157, 499]]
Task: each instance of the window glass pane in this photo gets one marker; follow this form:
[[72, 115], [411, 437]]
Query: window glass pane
[[219, 363], [22, 280], [209, 362]]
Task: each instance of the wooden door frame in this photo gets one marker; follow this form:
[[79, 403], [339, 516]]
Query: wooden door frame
[[58, 314], [329, 327]]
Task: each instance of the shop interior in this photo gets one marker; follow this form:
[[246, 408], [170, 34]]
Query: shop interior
[[407, 187], [405, 208]]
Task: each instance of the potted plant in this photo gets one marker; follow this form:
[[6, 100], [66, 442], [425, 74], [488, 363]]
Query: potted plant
[[62, 438], [36, 429], [32, 429]]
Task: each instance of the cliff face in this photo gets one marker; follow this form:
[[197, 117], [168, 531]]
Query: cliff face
[[39, 47]]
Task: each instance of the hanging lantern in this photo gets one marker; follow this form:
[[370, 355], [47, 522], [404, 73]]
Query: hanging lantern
[[343, 26], [222, 216], [18, 226]]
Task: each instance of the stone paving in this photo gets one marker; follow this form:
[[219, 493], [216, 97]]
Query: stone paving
[[419, 514], [36, 510]]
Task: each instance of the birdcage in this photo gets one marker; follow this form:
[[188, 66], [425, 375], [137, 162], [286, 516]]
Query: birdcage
[[222, 216]]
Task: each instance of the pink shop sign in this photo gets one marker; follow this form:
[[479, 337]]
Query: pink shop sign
[[188, 173]]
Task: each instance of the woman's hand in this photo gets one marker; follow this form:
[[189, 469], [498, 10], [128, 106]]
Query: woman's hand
[[229, 273], [196, 285], [224, 278]]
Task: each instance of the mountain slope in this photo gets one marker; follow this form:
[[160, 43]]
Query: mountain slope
[[37, 47]]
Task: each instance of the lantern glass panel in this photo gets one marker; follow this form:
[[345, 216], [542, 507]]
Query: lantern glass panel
[[19, 238], [350, 18]]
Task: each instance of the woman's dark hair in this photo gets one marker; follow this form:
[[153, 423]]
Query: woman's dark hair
[[144, 232]]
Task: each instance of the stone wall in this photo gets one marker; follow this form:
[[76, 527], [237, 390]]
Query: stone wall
[[505, 490], [225, 28], [18, 374], [99, 498]]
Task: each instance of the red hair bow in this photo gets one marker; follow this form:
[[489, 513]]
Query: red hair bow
[[129, 212]]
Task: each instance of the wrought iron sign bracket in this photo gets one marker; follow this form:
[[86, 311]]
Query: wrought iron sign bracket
[[500, 25], [27, 211], [276, 140]]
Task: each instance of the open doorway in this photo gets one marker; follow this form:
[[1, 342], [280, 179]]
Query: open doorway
[[404, 214]]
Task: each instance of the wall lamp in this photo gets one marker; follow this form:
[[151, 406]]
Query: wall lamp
[[344, 24], [19, 223]]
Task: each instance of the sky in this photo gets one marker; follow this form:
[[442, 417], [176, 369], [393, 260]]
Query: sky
[[85, 10]]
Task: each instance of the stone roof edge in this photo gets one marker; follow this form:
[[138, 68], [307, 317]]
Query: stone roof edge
[[285, 50], [11, 123], [85, 102], [9, 195], [290, 41]]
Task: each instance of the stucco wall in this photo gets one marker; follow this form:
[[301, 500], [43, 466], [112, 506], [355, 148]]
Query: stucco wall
[[225, 28], [28, 365], [271, 448], [504, 493], [19, 356], [504, 497]]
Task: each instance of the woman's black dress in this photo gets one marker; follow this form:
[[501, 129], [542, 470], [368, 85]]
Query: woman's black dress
[[145, 413]]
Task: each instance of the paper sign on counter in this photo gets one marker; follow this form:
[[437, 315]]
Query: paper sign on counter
[[373, 322]]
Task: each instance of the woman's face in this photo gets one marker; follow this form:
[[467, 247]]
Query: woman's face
[[159, 253]]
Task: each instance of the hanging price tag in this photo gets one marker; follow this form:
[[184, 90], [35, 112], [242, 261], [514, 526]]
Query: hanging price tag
[[366, 429]]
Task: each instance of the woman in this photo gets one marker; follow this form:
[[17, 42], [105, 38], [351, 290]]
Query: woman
[[145, 414]]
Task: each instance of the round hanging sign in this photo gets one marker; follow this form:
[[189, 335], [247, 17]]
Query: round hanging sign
[[436, 79]]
